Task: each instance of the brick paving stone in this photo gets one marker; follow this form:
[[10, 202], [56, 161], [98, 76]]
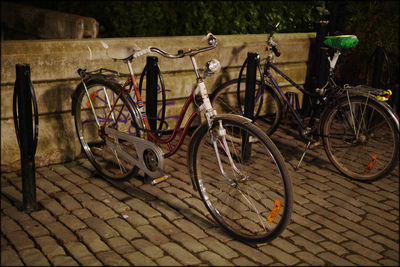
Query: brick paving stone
[[172, 200], [218, 247], [3, 241], [33, 257], [134, 218], [197, 204], [20, 240], [16, 214], [338, 238], [166, 210], [337, 249], [9, 257], [101, 227], [356, 227], [125, 229], [137, 258], [53, 206], [92, 240], [392, 254], [242, 261], [9, 225], [334, 259], [279, 255], [301, 230], [380, 212], [72, 222], [115, 192], [385, 241], [152, 234], [47, 186], [188, 242], [219, 233], [164, 226], [11, 192], [310, 258], [81, 171], [307, 244], [110, 258], [43, 216], [362, 250], [167, 261], [67, 201], [190, 228], [214, 259], [327, 223], [360, 260], [380, 229], [394, 226], [285, 245], [116, 205], [120, 245], [318, 200], [99, 209], [147, 248], [250, 252], [305, 222], [367, 242], [180, 254], [61, 232], [300, 210], [177, 192], [194, 216], [142, 207], [345, 213], [62, 260], [82, 197], [95, 191], [82, 213], [49, 246], [81, 253], [75, 179]]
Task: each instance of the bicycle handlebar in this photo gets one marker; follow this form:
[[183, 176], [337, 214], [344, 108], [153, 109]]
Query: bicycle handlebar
[[271, 43], [211, 39]]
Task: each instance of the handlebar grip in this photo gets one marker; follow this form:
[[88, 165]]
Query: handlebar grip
[[141, 52], [276, 52]]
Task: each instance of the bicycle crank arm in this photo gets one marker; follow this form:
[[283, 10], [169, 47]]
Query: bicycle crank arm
[[149, 157]]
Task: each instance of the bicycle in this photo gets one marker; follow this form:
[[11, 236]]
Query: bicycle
[[360, 132], [236, 168]]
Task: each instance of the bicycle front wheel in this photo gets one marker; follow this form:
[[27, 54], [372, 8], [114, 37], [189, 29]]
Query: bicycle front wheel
[[244, 181], [361, 138], [267, 106], [92, 113]]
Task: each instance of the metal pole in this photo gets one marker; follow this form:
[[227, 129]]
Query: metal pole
[[151, 91], [25, 136]]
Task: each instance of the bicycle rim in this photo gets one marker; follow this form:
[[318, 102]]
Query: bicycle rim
[[360, 139], [254, 202], [107, 161], [267, 108]]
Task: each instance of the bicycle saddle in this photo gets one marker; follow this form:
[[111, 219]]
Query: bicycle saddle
[[341, 41], [121, 52]]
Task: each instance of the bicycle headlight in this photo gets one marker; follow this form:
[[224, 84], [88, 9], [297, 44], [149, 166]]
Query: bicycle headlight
[[211, 67]]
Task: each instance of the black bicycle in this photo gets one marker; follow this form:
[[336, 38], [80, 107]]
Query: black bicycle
[[359, 130]]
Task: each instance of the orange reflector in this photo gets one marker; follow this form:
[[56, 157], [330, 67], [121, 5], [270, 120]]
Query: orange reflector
[[370, 164], [275, 210], [92, 96]]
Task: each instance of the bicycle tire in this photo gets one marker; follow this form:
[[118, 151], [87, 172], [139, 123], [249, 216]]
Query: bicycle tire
[[253, 206], [373, 152], [268, 112], [107, 161]]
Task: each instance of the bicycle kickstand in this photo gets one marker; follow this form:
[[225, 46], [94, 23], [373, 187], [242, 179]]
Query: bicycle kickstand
[[302, 156]]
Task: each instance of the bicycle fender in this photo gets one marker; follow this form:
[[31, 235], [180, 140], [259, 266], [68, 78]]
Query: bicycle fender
[[195, 139]]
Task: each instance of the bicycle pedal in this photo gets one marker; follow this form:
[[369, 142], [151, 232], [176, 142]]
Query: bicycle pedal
[[159, 180], [315, 144]]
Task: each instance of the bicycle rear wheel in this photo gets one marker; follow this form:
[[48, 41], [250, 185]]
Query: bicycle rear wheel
[[361, 138], [267, 109], [250, 197], [92, 114]]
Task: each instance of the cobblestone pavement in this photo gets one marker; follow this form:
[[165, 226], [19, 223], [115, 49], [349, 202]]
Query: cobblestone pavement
[[85, 220]]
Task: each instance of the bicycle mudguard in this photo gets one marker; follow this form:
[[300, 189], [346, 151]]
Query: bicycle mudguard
[[200, 130]]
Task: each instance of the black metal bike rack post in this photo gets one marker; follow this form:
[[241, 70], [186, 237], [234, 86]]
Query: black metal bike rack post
[[24, 98], [151, 91], [252, 63]]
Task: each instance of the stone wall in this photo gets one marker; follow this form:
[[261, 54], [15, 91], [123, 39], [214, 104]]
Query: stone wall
[[54, 65]]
